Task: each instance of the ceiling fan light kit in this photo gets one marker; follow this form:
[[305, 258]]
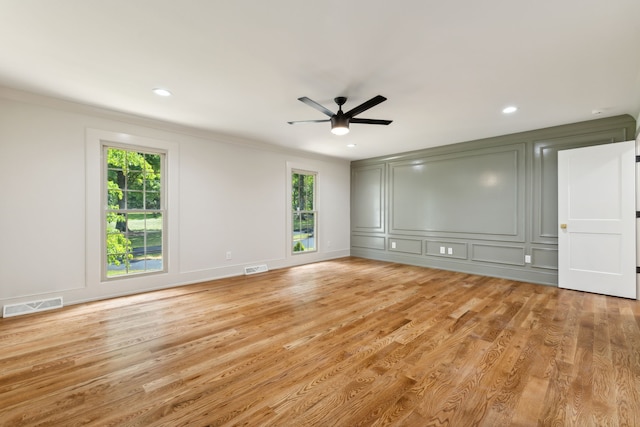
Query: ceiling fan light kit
[[339, 125], [340, 121]]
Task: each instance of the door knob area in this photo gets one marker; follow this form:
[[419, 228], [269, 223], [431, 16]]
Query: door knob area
[[563, 226]]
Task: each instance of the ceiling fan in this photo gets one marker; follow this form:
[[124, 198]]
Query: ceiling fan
[[340, 120]]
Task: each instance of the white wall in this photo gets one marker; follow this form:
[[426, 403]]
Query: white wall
[[231, 197], [638, 209]]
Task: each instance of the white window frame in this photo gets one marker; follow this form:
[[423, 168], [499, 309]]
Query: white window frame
[[94, 199], [292, 213]]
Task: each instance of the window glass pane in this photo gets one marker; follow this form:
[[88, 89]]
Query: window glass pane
[[302, 189], [135, 181], [134, 199], [153, 260], [113, 174], [154, 233], [294, 191], [114, 196], [152, 183], [116, 158], [153, 162], [308, 192], [304, 232], [135, 161], [136, 230], [118, 245], [152, 200], [303, 211], [117, 179]]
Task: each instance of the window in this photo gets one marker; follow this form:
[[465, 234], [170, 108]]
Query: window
[[135, 216], [304, 216]]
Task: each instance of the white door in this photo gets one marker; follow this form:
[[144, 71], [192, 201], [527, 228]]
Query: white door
[[596, 216]]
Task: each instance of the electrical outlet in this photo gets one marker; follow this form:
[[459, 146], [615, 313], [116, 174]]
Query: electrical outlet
[[228, 254], [393, 245], [527, 259], [450, 251], [442, 250]]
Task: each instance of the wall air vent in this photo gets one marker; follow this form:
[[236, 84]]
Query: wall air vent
[[31, 307], [255, 269]]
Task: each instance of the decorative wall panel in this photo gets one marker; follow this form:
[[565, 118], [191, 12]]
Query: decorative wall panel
[[512, 255], [436, 247], [409, 246], [477, 192], [367, 199], [369, 242], [544, 258], [490, 201], [545, 178]]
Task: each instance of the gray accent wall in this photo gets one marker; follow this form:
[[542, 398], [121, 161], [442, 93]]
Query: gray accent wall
[[479, 207]]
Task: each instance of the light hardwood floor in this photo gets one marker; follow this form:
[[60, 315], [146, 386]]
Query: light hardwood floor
[[341, 343]]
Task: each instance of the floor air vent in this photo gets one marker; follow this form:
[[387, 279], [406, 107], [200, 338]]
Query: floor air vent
[[31, 307], [255, 269]]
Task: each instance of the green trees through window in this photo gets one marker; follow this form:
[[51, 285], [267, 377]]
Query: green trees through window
[[134, 217], [304, 215]]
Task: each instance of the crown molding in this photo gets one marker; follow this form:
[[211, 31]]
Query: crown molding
[[133, 119]]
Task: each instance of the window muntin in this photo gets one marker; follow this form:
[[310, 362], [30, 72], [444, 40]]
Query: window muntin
[[304, 215], [135, 215]]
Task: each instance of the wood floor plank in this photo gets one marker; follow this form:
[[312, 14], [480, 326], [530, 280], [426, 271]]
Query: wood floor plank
[[346, 342]]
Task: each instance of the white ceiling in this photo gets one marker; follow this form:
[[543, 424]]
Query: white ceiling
[[236, 68]]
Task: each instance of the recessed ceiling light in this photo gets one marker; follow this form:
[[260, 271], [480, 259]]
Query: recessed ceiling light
[[510, 109], [161, 92], [351, 145]]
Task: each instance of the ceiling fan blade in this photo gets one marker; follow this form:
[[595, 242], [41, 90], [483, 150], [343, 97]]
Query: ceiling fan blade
[[370, 121], [309, 121], [314, 104], [365, 106]]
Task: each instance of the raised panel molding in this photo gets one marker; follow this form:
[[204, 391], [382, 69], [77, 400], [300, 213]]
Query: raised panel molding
[[544, 258], [482, 241], [473, 194], [545, 178], [458, 250], [410, 246], [498, 254], [368, 242], [367, 199]]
